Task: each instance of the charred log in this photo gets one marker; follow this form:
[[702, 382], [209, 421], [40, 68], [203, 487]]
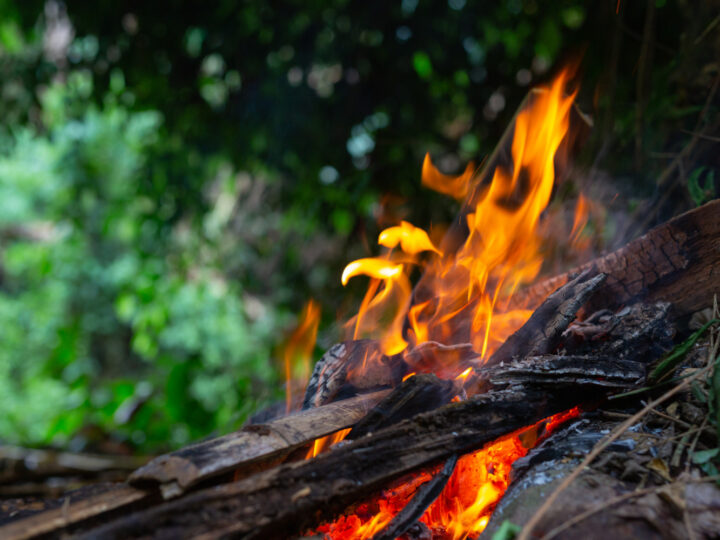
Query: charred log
[[542, 332], [417, 394], [284, 500], [677, 262], [349, 368]]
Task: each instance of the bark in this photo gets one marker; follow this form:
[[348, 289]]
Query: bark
[[677, 262], [543, 330], [253, 448], [76, 508], [289, 498]]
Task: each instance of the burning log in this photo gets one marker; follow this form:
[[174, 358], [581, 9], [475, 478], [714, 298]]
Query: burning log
[[288, 498], [677, 262], [543, 330], [255, 447]]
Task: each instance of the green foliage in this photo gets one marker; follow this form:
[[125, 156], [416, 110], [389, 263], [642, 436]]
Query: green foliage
[[102, 320], [701, 193]]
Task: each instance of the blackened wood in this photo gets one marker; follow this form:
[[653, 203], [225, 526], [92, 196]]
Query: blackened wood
[[352, 367], [641, 332], [253, 447], [414, 509], [543, 330], [555, 371], [73, 509], [418, 394], [677, 262], [289, 498]]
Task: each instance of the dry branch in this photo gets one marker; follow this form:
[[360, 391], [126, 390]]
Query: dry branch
[[254, 447]]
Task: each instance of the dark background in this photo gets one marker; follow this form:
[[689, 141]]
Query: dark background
[[177, 178]]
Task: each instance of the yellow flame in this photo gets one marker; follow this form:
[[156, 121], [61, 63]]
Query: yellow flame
[[373, 267], [412, 240]]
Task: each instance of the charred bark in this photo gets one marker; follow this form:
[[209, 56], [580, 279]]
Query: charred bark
[[542, 332], [677, 262], [251, 449], [289, 498]]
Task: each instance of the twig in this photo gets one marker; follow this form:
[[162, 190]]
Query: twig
[[414, 510], [617, 432]]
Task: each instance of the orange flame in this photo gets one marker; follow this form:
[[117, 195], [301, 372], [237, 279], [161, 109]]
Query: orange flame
[[298, 351], [462, 297], [469, 287], [464, 507], [455, 186]]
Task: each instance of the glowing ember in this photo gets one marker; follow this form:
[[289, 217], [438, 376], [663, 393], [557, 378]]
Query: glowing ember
[[464, 507], [462, 298]]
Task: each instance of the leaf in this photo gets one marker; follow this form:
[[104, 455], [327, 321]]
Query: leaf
[[659, 466], [703, 456], [675, 356], [701, 193], [506, 531], [422, 64]]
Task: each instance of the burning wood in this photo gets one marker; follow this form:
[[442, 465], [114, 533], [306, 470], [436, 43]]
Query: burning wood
[[453, 380]]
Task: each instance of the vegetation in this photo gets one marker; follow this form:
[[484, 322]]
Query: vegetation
[[174, 183]]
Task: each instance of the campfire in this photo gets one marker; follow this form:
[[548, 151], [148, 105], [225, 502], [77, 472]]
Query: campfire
[[459, 362], [462, 299]]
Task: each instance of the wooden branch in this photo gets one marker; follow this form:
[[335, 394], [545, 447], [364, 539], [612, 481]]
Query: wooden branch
[[414, 509], [71, 511], [285, 500], [543, 330], [253, 448], [418, 394], [677, 262]]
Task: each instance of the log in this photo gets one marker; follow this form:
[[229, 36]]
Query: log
[[415, 395], [73, 509], [283, 501], [252, 448], [677, 262], [543, 330]]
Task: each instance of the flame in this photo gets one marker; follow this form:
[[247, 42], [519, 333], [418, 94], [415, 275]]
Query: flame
[[462, 297], [455, 186], [462, 294], [579, 222], [411, 239], [323, 443], [464, 507], [298, 351]]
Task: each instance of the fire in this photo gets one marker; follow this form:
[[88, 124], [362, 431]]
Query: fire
[[462, 297], [464, 507], [462, 293], [456, 186], [298, 352]]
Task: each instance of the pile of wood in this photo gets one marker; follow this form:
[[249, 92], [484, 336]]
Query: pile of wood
[[255, 483]]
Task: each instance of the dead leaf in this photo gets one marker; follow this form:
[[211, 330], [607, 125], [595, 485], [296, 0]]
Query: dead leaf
[[660, 466]]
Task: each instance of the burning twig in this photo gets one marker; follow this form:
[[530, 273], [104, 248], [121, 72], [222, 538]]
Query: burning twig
[[414, 510], [543, 330]]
